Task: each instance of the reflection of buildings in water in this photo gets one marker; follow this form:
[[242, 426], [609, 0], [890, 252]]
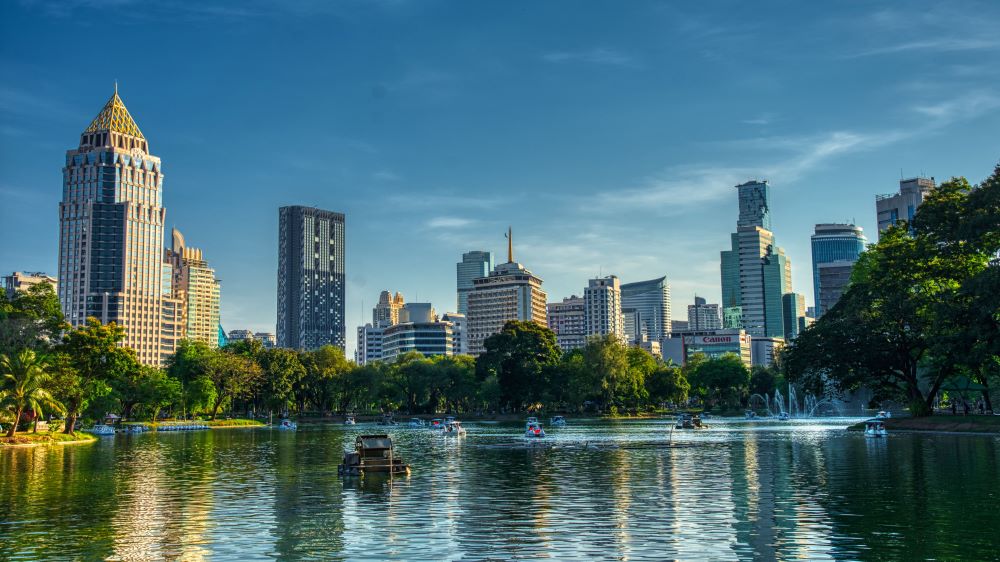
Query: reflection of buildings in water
[[752, 465]]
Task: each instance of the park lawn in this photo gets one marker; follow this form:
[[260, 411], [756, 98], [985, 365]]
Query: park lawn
[[237, 422], [28, 439], [947, 423]]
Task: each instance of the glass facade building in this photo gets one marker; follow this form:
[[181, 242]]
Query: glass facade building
[[474, 265], [651, 299], [755, 204], [894, 207], [310, 278], [831, 243]]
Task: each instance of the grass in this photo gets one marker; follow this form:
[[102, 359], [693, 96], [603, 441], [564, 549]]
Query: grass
[[946, 423], [237, 422], [56, 437]]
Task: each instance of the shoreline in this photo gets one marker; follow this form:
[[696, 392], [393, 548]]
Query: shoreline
[[942, 424], [47, 441]]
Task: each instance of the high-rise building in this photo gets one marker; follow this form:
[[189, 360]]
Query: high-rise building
[[834, 277], [386, 312], [369, 347], [755, 266], [310, 278], [603, 307], [240, 335], [474, 265], [197, 290], [652, 300], [834, 243], [420, 330], [793, 307], [20, 281], [510, 292], [111, 231], [704, 316], [632, 322], [267, 339], [763, 350], [568, 319], [173, 325], [680, 347], [894, 207], [459, 332]]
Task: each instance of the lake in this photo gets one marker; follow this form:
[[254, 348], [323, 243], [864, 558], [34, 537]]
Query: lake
[[628, 490]]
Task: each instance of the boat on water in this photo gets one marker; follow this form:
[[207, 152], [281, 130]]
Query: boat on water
[[750, 415], [349, 420], [558, 421], [101, 429], [783, 416], [688, 421], [883, 414], [288, 425], [876, 428], [417, 422], [437, 423], [181, 427], [453, 428], [387, 419], [532, 419], [533, 430], [372, 454]]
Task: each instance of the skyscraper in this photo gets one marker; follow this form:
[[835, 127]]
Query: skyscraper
[[310, 278], [652, 301], [510, 292], [834, 277], [834, 243], [474, 264], [386, 312], [756, 266], [894, 207], [111, 231], [603, 307], [794, 311], [568, 319], [197, 290]]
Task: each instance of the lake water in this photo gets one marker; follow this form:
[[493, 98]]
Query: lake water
[[605, 490]]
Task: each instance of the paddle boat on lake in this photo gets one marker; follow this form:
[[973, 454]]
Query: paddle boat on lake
[[453, 428], [750, 415], [533, 430], [687, 421], [558, 421], [417, 422], [783, 416], [372, 454], [349, 420], [101, 429], [876, 428], [287, 425], [883, 414]]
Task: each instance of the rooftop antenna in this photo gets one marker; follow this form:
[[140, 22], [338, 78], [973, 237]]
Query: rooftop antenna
[[510, 245], [116, 86], [901, 173]]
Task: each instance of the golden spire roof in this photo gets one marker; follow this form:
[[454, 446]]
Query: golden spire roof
[[114, 117]]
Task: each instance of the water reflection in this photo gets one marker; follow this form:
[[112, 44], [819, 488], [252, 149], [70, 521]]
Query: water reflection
[[737, 491]]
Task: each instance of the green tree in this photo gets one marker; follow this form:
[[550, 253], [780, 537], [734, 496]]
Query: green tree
[[232, 376], [25, 379], [722, 380], [161, 391], [518, 356], [93, 358], [189, 366], [282, 372], [30, 319], [668, 384], [325, 383]]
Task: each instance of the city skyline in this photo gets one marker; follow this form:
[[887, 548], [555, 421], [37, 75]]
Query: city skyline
[[657, 199]]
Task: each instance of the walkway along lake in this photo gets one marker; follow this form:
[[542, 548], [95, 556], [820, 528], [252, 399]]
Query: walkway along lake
[[739, 490]]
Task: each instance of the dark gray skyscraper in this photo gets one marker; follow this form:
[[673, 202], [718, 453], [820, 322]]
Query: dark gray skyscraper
[[310, 278]]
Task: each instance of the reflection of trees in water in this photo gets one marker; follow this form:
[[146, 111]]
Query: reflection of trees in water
[[915, 496], [308, 496]]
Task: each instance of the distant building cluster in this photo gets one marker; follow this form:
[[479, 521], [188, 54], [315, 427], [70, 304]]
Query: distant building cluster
[[115, 265]]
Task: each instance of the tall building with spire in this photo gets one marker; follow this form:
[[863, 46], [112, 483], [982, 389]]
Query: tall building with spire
[[509, 292], [111, 231]]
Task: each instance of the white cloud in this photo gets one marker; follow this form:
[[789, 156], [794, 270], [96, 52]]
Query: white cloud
[[449, 222], [964, 106], [593, 56]]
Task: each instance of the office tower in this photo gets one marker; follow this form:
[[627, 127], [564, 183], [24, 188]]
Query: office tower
[[764, 349], [834, 277], [894, 207], [568, 319], [111, 231], [369, 347], [240, 335], [680, 347], [678, 326], [474, 265], [20, 281], [652, 300], [793, 309], [756, 266], [732, 318], [603, 307], [310, 278], [834, 243], [755, 204], [459, 331], [196, 289], [173, 325], [386, 312], [632, 323], [704, 316], [419, 330], [510, 292]]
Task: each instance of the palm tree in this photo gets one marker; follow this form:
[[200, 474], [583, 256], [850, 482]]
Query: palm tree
[[24, 378]]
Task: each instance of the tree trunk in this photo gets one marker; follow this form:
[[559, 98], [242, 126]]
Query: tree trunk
[[17, 420], [215, 408], [70, 423]]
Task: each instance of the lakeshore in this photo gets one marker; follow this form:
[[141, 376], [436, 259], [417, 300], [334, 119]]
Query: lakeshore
[[47, 438], [941, 423]]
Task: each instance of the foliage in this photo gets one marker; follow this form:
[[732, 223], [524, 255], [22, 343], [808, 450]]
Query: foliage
[[30, 319], [722, 381], [92, 358], [24, 387], [519, 356]]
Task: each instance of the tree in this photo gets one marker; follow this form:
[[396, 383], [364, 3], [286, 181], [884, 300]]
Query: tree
[[518, 356], [30, 319], [24, 379], [92, 359], [723, 380], [325, 383], [189, 366], [232, 376], [162, 391], [282, 372], [668, 384]]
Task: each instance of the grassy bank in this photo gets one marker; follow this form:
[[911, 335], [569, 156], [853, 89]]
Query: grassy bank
[[941, 423], [217, 424], [46, 438]]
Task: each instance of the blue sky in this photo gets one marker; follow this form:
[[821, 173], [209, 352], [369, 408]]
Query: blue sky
[[608, 134]]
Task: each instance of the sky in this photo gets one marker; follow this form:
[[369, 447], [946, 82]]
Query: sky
[[608, 135]]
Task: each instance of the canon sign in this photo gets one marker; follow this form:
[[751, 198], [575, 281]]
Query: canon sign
[[702, 340]]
